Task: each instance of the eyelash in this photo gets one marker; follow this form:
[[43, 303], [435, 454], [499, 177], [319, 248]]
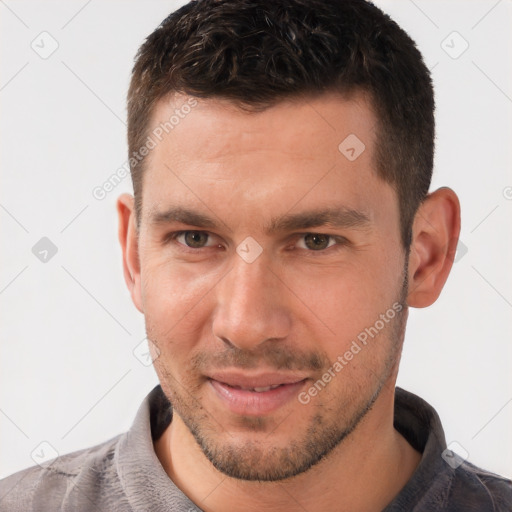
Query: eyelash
[[340, 241]]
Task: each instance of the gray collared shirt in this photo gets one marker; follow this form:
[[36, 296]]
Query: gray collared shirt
[[125, 475]]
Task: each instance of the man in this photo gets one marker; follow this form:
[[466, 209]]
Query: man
[[281, 226]]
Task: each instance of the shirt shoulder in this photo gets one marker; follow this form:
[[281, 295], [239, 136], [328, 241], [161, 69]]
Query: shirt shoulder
[[475, 489], [70, 482], [443, 481]]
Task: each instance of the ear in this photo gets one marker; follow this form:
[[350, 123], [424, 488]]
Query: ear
[[435, 234], [128, 238]]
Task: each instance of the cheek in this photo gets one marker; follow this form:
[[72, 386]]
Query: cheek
[[174, 297], [345, 301]]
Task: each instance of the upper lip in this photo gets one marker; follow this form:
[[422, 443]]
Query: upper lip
[[259, 380]]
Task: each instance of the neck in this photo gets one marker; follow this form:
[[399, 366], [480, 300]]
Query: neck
[[365, 472]]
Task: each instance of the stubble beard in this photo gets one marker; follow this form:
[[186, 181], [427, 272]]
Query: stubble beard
[[252, 460]]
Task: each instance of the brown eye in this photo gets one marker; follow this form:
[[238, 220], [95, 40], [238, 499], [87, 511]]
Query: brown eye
[[317, 242], [195, 239]]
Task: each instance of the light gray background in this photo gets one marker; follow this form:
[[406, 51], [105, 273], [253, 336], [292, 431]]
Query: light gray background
[[69, 377]]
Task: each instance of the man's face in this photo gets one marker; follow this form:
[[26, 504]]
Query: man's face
[[265, 252]]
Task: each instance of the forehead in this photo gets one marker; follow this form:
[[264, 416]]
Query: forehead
[[301, 151], [299, 125]]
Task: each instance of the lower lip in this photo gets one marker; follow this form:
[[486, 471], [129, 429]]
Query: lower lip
[[252, 403]]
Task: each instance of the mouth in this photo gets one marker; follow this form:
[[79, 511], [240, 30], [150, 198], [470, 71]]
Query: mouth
[[255, 395], [258, 389]]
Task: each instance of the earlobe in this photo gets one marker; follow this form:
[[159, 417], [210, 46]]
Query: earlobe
[[435, 235], [128, 238]]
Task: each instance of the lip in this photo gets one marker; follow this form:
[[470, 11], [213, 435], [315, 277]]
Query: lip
[[235, 391], [255, 380]]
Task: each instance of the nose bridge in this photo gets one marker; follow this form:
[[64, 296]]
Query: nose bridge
[[250, 283], [250, 305]]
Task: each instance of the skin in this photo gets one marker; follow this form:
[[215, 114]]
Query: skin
[[293, 309]]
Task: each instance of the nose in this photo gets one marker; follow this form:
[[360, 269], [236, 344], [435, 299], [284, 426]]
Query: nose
[[251, 305]]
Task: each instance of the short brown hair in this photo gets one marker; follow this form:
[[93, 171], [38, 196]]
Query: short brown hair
[[258, 52]]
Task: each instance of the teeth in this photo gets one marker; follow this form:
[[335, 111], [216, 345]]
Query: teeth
[[267, 388], [258, 390]]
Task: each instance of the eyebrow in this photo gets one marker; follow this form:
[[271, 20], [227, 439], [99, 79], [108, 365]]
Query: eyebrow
[[333, 217], [183, 216], [346, 218]]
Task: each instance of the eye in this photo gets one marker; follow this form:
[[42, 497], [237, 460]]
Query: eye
[[193, 239], [316, 241]]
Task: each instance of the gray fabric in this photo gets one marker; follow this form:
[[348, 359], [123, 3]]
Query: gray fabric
[[124, 474]]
